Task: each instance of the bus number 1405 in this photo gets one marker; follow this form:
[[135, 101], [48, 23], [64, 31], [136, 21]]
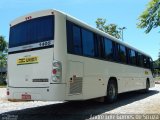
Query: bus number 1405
[[46, 43]]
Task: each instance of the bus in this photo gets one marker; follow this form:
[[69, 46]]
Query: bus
[[56, 57]]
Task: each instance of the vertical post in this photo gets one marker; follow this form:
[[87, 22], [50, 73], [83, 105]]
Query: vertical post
[[121, 29], [122, 35]]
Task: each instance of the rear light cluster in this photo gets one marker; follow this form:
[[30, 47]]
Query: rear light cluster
[[56, 71]]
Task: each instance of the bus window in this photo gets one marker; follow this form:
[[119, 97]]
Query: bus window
[[33, 31], [132, 57], [115, 51], [140, 60], [108, 49], [147, 63], [122, 54], [69, 37], [77, 46], [151, 64], [128, 55], [99, 46], [88, 43]]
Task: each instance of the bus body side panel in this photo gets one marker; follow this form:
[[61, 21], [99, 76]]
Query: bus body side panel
[[98, 72], [75, 80]]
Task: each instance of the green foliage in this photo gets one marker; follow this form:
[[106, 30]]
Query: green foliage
[[3, 60], [156, 64], [150, 18], [3, 55], [111, 29], [3, 44], [3, 51]]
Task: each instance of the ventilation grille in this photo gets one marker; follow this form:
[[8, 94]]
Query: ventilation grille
[[76, 85]]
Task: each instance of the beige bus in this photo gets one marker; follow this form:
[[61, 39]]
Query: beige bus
[[56, 57]]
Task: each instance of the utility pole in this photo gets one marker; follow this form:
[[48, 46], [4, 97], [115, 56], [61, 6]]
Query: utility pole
[[121, 29]]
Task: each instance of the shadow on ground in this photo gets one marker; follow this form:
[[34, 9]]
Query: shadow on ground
[[78, 110]]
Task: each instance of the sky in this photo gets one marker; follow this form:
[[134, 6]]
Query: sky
[[124, 13]]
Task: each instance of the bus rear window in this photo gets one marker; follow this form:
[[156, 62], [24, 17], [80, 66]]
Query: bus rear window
[[32, 31]]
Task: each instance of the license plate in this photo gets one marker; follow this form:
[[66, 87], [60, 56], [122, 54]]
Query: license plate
[[26, 97], [28, 60]]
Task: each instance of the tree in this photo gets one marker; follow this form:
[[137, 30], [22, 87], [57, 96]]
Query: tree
[[3, 44], [150, 18], [3, 54], [3, 61], [156, 64], [111, 29]]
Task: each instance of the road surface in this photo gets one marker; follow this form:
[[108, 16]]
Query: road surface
[[127, 103]]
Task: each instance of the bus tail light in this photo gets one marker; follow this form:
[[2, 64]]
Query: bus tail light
[[56, 71]]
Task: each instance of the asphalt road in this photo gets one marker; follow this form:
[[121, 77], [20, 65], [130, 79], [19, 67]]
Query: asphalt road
[[127, 103]]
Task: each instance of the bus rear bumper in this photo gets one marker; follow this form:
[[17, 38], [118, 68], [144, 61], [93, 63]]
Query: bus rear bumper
[[54, 92]]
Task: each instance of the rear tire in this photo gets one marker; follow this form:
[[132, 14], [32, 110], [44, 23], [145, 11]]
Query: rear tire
[[146, 90], [112, 92], [147, 86]]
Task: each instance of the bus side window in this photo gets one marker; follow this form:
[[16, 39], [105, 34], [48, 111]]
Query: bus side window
[[137, 59], [116, 53], [69, 37], [74, 43], [88, 43], [140, 62], [133, 57], [149, 63], [99, 47], [122, 53], [108, 49], [77, 43], [128, 52], [145, 61]]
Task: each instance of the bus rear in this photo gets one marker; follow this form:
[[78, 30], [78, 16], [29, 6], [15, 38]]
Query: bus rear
[[32, 70]]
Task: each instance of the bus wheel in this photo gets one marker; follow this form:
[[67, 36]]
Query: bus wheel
[[111, 92], [147, 86]]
